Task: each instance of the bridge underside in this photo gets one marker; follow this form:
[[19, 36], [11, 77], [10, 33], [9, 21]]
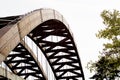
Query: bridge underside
[[49, 31], [6, 75]]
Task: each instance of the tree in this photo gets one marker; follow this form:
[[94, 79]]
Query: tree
[[108, 65]]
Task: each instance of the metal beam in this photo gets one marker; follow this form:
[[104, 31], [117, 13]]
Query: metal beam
[[4, 74]]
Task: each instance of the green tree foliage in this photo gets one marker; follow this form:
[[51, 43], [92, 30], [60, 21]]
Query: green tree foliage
[[108, 65]]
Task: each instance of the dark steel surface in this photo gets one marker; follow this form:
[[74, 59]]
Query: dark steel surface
[[21, 62], [59, 53]]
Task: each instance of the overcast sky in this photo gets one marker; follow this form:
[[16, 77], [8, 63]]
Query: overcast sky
[[83, 16]]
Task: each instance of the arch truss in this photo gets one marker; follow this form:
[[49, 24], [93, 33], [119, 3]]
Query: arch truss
[[49, 31]]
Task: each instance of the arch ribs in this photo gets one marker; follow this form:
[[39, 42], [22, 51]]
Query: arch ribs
[[61, 53], [23, 63], [43, 27]]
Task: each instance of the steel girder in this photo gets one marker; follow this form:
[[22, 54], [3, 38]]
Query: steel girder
[[61, 54], [21, 62], [8, 20]]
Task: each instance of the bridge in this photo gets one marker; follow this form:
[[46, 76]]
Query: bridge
[[38, 46]]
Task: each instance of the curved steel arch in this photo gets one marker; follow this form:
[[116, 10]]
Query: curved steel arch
[[40, 25], [24, 63], [61, 54]]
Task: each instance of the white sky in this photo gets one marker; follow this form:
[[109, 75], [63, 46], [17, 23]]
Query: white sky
[[83, 16]]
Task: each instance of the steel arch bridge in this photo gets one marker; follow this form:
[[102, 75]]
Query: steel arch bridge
[[39, 26]]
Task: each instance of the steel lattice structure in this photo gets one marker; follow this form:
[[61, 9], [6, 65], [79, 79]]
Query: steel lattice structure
[[39, 25], [28, 61]]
